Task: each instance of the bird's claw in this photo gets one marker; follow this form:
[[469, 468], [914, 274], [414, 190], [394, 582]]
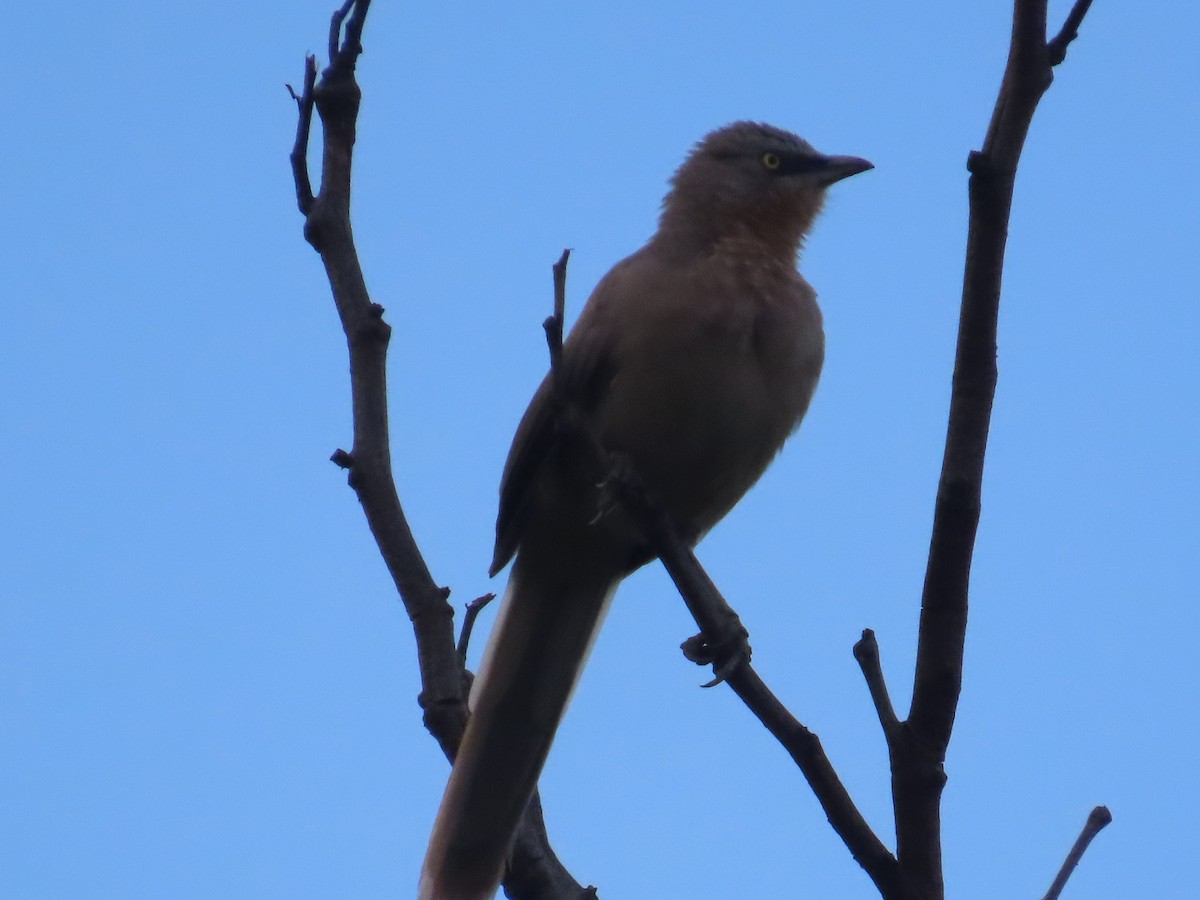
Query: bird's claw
[[726, 654]]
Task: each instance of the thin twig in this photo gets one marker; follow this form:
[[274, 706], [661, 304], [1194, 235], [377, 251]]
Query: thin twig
[[352, 43], [1070, 30], [866, 651], [1097, 820], [299, 154], [335, 29], [470, 614], [554, 325]]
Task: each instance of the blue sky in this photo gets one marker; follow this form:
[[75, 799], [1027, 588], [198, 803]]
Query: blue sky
[[207, 685]]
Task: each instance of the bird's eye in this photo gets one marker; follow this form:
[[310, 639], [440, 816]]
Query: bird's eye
[[771, 161]]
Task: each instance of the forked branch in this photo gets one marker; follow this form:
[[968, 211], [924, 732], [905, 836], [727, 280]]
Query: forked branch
[[534, 873], [918, 748]]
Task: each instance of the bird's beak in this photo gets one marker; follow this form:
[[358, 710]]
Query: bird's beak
[[835, 168]]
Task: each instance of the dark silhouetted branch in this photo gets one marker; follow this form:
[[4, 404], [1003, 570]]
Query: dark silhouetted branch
[[1098, 819], [866, 651], [470, 614], [1070, 30], [919, 750], [327, 227]]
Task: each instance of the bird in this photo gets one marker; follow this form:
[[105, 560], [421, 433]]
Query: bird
[[693, 360]]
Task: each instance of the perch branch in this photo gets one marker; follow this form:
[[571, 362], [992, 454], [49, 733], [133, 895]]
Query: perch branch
[[724, 638]]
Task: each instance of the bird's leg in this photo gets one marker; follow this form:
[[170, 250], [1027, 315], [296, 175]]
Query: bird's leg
[[724, 642]]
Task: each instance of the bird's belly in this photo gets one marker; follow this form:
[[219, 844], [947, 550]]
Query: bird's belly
[[700, 433]]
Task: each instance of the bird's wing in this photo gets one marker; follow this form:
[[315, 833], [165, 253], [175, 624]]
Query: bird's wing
[[587, 368]]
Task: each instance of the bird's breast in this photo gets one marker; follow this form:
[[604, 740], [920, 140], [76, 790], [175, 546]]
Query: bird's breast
[[705, 393]]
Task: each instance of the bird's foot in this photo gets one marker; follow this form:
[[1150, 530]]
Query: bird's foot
[[726, 652]]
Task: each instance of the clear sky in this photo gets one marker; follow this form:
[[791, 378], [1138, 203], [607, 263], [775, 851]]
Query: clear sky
[[207, 684]]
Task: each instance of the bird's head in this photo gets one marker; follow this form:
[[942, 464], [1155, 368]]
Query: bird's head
[[755, 181]]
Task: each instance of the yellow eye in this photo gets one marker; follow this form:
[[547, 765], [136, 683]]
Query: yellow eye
[[771, 161]]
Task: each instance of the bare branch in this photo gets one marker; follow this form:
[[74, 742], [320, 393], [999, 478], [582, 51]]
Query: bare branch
[[299, 155], [1070, 30], [327, 227], [470, 614], [353, 43], [554, 325], [866, 651], [1097, 820], [918, 775], [533, 870]]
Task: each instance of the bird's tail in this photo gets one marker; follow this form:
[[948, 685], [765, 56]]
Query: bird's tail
[[547, 623]]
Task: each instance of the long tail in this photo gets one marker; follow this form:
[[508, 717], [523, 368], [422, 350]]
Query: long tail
[[548, 621]]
